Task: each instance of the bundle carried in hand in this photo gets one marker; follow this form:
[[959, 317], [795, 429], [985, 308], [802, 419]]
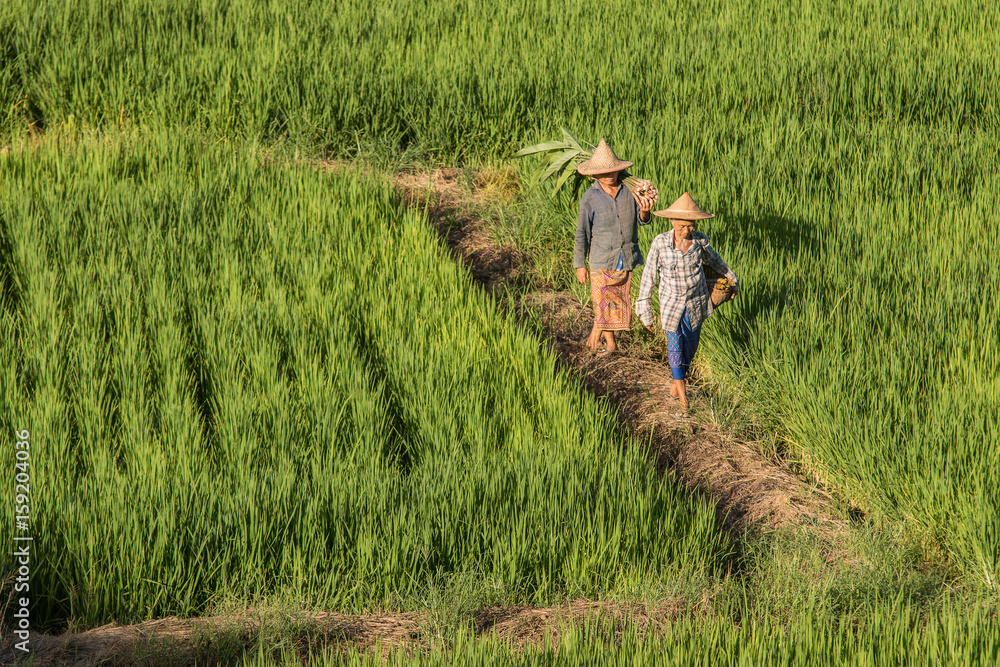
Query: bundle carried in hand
[[561, 158]]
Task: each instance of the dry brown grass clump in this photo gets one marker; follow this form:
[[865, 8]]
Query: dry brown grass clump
[[497, 184]]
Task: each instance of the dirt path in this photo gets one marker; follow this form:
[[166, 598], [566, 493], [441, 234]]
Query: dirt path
[[749, 490], [223, 639]]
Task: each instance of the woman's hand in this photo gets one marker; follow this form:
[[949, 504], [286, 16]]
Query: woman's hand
[[645, 195], [650, 328], [582, 275]]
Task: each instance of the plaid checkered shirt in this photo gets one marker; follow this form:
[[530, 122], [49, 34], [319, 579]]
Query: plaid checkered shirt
[[681, 279]]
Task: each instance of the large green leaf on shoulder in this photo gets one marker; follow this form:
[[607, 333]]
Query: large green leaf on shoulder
[[561, 161], [566, 175], [543, 148], [571, 140]]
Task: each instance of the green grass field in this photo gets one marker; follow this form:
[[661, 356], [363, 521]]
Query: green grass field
[[901, 638], [207, 332], [248, 377]]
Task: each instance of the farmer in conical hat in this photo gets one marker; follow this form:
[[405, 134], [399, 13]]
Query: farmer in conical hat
[[607, 231], [676, 261]]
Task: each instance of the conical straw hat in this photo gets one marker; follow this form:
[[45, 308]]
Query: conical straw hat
[[684, 209], [603, 161]]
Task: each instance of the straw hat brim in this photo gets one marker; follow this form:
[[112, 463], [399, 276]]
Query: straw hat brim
[[587, 168], [683, 215]]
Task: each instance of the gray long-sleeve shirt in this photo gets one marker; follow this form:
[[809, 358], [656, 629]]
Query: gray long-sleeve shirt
[[608, 229]]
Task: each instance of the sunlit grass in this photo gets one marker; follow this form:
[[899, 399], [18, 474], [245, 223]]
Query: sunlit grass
[[250, 377]]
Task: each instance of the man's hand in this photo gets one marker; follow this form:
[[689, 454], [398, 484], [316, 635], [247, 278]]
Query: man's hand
[[582, 275]]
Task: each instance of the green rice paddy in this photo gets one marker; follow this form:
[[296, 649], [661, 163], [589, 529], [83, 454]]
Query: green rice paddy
[[242, 376], [246, 376]]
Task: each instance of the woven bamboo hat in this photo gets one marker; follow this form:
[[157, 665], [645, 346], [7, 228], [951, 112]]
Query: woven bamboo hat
[[603, 161], [684, 209]]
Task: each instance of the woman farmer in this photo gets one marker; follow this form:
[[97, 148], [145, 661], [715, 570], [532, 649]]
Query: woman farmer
[[675, 261], [607, 232]]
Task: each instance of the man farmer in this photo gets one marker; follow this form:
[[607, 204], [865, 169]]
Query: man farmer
[[607, 231]]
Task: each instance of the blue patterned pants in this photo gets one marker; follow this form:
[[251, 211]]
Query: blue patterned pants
[[681, 346]]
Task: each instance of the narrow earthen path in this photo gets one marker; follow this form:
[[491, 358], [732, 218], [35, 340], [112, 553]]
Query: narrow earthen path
[[222, 639], [750, 491]]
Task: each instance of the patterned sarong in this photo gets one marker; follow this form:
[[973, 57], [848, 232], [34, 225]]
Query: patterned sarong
[[609, 290]]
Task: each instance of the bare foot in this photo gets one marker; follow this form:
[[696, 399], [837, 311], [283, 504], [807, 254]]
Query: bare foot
[[609, 341], [594, 339], [679, 391]]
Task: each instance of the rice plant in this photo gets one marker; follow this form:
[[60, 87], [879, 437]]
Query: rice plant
[[254, 379], [849, 151], [896, 636]]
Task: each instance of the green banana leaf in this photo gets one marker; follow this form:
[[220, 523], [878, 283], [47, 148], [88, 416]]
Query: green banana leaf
[[560, 160], [543, 148]]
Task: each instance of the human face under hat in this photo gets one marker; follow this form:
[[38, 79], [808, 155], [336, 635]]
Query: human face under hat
[[608, 181], [683, 229]]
